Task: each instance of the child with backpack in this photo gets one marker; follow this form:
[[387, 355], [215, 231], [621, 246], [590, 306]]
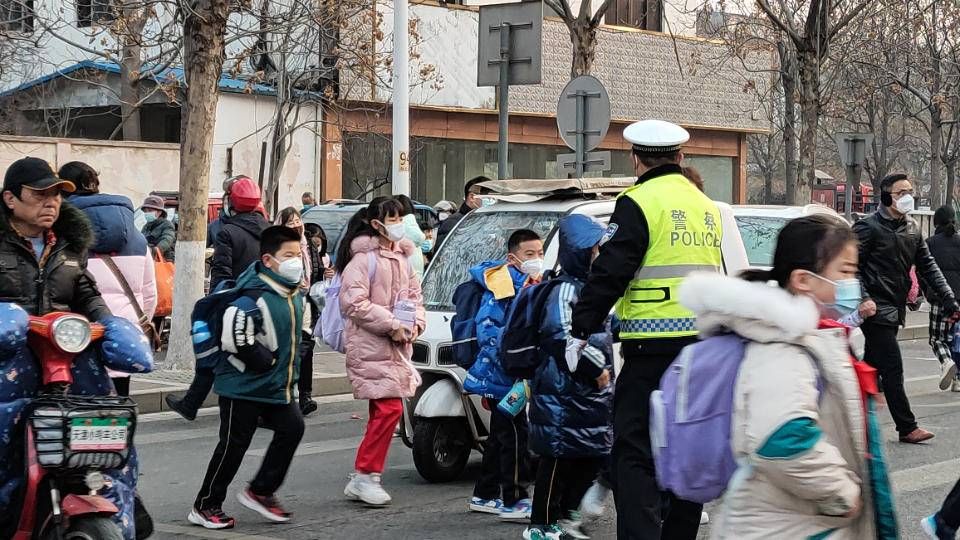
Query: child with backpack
[[257, 379], [383, 313], [481, 313], [771, 409], [571, 403]]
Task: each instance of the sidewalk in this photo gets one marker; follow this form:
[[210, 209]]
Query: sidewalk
[[150, 389]]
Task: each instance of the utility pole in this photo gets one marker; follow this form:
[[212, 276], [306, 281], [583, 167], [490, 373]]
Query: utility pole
[[401, 99]]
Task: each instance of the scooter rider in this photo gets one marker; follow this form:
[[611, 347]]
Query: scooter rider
[[662, 228], [44, 245]]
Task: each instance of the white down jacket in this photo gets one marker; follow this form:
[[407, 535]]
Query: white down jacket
[[798, 417]]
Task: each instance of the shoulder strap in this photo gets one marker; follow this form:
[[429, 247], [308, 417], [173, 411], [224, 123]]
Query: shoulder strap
[[125, 285]]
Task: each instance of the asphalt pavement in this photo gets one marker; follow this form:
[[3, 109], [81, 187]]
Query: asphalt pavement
[[174, 455]]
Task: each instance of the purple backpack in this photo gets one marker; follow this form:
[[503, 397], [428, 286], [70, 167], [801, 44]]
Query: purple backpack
[[691, 417]]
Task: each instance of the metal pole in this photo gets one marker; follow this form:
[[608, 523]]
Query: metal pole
[[401, 100], [581, 98], [848, 193], [504, 116]]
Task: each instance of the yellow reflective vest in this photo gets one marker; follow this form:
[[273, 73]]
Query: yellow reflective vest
[[685, 235]]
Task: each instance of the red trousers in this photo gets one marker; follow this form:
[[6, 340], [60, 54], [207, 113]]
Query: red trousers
[[384, 415]]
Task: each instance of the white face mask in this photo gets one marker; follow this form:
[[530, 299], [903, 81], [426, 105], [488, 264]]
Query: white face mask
[[532, 267], [290, 269], [395, 232], [904, 204]]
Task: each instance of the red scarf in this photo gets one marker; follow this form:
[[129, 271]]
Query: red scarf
[[866, 374]]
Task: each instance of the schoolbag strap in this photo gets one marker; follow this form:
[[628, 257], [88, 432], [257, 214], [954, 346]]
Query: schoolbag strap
[[125, 285]]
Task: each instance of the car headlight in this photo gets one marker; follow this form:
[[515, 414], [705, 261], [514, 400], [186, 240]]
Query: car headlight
[[71, 333]]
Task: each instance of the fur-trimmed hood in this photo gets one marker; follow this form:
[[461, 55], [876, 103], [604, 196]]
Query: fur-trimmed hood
[[71, 227], [756, 311]]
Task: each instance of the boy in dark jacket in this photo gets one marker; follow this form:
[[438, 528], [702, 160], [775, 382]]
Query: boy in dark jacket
[[571, 399], [258, 380]]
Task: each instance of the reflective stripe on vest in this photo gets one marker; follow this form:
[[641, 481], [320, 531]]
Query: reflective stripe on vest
[[685, 235]]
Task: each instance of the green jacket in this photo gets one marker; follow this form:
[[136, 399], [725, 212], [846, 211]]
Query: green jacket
[[264, 364]]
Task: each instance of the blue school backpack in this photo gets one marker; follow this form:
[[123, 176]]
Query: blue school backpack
[[463, 327], [206, 321], [520, 343]]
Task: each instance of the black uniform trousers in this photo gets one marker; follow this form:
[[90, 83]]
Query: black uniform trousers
[[882, 351], [561, 485], [643, 511], [505, 470], [238, 424]]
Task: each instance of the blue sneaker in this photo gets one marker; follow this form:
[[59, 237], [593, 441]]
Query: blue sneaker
[[486, 506], [518, 512], [936, 530]]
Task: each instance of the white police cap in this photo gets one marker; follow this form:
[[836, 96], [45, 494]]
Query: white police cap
[[655, 136]]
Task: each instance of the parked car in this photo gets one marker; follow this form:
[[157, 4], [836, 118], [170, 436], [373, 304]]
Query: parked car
[[441, 424], [759, 226], [333, 217]]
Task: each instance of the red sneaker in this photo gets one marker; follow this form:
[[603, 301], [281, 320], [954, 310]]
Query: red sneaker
[[211, 518], [265, 505]]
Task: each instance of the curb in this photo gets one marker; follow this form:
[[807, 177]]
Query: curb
[[908, 333], [152, 400]]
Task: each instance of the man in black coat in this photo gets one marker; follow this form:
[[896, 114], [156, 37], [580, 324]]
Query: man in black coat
[[44, 245], [890, 243], [238, 241], [471, 201]]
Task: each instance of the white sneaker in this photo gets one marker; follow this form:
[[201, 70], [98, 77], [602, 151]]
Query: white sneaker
[[948, 374], [368, 489], [573, 527], [704, 518], [955, 386], [594, 502]]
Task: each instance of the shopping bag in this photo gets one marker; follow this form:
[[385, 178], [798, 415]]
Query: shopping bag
[[164, 270]]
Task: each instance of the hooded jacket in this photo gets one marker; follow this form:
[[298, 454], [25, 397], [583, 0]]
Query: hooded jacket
[[265, 368], [376, 366], [502, 282], [161, 234], [111, 219], [888, 248], [59, 281], [798, 418], [569, 416], [237, 246]]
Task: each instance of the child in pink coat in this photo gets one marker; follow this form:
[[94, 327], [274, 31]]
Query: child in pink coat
[[383, 313]]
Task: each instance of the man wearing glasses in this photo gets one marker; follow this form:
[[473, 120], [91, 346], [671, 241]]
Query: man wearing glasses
[[890, 243]]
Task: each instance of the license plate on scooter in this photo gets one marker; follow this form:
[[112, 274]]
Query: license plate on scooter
[[98, 433]]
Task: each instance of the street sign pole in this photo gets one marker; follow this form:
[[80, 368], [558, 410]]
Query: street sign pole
[[519, 28], [581, 114], [504, 105], [583, 118], [853, 153]]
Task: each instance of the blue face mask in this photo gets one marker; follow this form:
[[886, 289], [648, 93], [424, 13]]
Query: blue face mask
[[847, 296], [427, 246]]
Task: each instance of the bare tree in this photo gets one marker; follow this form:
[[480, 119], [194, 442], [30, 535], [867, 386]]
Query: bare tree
[[583, 31]]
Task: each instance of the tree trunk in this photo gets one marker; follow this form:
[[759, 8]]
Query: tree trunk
[[584, 39], [936, 174], [791, 169], [809, 118], [134, 19], [204, 29], [951, 167]]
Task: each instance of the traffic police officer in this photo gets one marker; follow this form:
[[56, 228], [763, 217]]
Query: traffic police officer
[[662, 229]]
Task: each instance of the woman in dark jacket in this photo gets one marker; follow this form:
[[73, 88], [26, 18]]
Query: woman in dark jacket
[[571, 405], [945, 248], [159, 231]]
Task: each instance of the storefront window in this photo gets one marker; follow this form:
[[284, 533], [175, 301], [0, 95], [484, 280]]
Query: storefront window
[[439, 167]]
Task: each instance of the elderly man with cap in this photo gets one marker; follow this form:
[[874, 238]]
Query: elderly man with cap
[[160, 233], [662, 229], [44, 244]]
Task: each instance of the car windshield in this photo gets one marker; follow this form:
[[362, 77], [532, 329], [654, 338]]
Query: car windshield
[[759, 235], [478, 237], [332, 221]]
